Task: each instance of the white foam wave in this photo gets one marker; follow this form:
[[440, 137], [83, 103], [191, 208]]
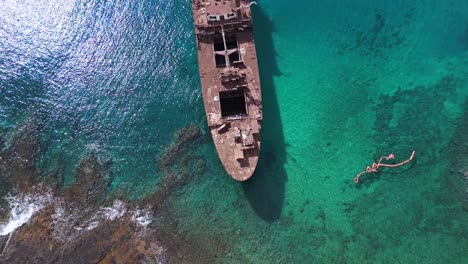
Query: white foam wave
[[114, 212], [23, 207], [117, 210], [79, 220], [92, 225], [142, 217]]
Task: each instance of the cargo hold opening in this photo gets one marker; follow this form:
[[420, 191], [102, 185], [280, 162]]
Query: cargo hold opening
[[232, 49], [233, 103]]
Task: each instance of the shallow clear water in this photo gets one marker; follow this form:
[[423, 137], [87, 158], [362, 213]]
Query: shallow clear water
[[343, 82]]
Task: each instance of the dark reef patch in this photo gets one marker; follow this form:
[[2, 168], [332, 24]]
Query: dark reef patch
[[381, 36], [407, 120], [183, 137], [92, 183], [18, 160], [178, 165], [419, 113]]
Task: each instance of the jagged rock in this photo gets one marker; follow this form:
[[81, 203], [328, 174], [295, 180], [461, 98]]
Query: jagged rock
[[119, 241]]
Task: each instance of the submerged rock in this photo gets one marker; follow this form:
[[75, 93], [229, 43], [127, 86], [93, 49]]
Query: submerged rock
[[91, 185], [178, 166], [173, 180], [18, 160], [183, 137]]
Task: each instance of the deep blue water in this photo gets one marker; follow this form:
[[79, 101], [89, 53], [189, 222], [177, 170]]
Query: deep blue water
[[116, 78]]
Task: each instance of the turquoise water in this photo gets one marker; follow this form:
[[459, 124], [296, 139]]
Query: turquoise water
[[344, 83]]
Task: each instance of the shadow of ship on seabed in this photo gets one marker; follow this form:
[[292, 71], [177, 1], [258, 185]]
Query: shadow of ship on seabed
[[265, 189]]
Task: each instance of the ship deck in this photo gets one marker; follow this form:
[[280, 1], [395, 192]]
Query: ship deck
[[231, 88]]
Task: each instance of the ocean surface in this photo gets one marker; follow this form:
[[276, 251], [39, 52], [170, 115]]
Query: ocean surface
[[343, 83]]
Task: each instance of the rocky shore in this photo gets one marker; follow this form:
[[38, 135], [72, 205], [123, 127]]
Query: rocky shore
[[87, 222]]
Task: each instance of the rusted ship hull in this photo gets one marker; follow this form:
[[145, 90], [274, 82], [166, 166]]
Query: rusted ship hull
[[230, 82]]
